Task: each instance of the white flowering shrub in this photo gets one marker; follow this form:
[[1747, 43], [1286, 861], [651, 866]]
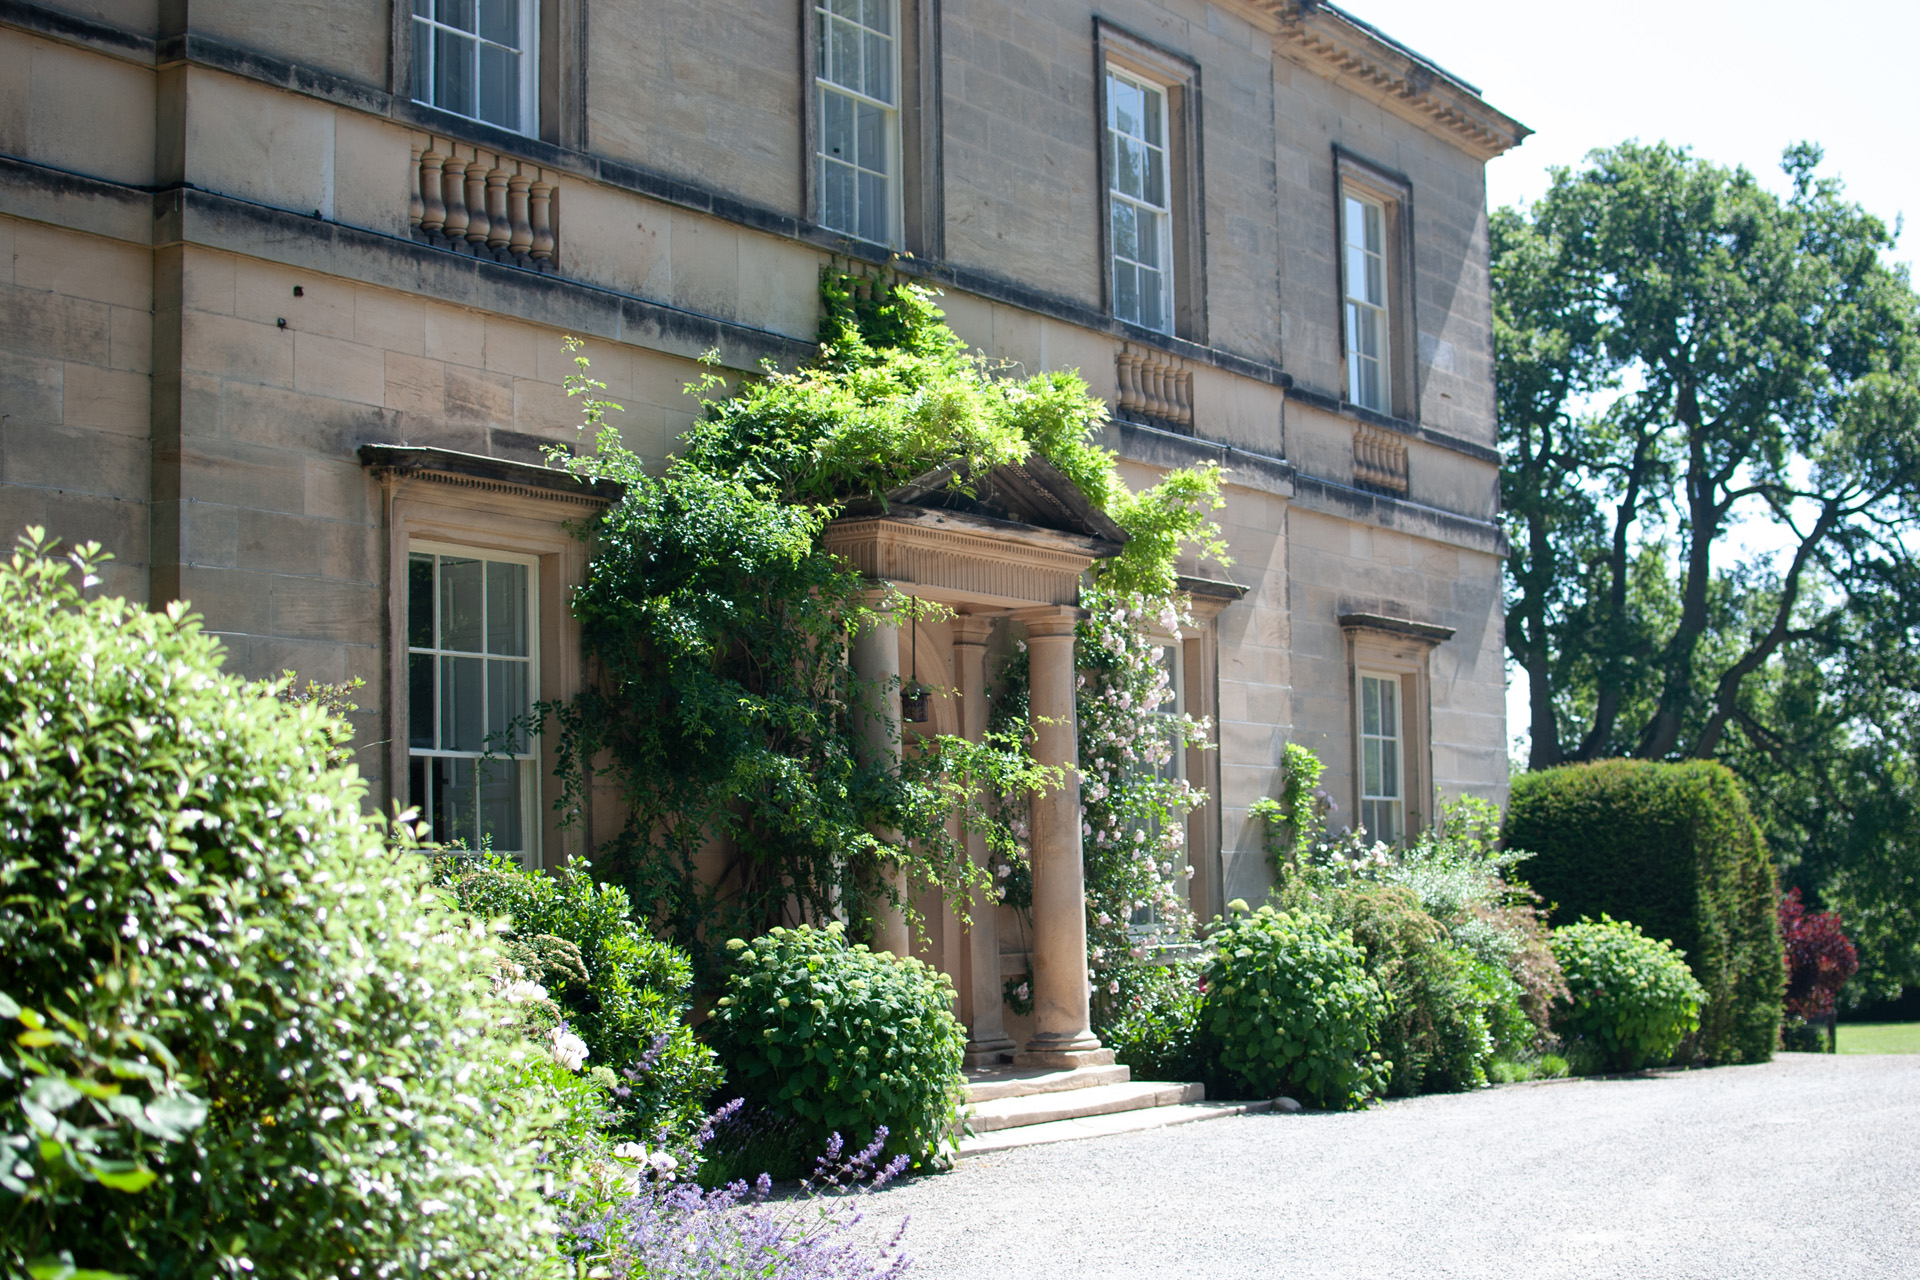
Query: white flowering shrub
[[269, 1053]]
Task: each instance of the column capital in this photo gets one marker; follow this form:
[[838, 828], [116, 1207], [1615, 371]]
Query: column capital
[[972, 628], [1050, 620]]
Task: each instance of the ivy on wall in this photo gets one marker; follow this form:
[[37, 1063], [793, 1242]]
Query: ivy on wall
[[721, 702]]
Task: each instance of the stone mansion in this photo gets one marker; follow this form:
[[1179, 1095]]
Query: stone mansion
[[283, 287]]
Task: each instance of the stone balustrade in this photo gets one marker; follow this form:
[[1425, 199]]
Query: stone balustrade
[[1379, 460], [1155, 388], [482, 203]]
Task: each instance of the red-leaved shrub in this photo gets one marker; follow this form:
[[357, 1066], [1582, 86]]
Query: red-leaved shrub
[[1819, 957]]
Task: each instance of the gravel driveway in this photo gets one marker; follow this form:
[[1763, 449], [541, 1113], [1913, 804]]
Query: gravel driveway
[[1806, 1166]]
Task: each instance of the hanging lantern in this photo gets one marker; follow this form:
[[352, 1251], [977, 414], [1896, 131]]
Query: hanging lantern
[[913, 694]]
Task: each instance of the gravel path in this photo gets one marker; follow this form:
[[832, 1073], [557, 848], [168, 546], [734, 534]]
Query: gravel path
[[1808, 1166]]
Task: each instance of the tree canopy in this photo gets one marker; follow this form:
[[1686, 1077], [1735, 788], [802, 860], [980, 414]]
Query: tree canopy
[[1710, 408]]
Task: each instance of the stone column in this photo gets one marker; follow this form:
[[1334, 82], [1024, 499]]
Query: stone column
[[876, 658], [1063, 1035], [987, 1037]]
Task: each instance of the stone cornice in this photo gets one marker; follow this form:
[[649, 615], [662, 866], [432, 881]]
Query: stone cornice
[[1341, 47]]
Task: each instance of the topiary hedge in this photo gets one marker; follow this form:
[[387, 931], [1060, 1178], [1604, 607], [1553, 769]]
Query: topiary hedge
[[842, 1039], [236, 1037], [1674, 849], [1291, 1009]]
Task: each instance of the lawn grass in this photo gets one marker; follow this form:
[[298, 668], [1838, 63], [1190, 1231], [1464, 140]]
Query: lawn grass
[[1880, 1037]]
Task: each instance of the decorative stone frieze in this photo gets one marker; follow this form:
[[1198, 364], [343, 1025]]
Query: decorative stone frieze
[[966, 559], [1155, 388], [482, 203], [1379, 459]]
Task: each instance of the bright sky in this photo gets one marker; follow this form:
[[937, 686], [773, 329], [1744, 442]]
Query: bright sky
[[1735, 82]]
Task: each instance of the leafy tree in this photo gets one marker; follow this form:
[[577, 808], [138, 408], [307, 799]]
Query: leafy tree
[[1684, 355]]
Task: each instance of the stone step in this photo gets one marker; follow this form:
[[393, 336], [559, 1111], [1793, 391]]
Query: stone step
[[989, 1084], [1075, 1104], [1034, 1135]]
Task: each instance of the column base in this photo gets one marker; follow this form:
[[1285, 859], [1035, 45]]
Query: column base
[[1064, 1059], [974, 1059]]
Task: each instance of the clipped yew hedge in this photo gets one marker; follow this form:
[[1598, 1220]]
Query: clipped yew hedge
[[1674, 848]]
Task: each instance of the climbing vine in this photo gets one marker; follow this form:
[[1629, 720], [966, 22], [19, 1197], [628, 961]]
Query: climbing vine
[[721, 702]]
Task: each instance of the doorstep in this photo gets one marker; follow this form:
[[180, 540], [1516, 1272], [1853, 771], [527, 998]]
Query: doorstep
[[1103, 1125]]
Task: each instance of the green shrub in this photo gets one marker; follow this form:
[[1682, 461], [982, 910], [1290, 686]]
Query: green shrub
[[1158, 1032], [1439, 995], [618, 989], [1675, 849], [1632, 999], [1291, 1007], [186, 881], [843, 1039]]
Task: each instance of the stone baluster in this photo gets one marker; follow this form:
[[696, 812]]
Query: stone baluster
[[433, 206], [1183, 399], [1127, 364], [498, 231], [1157, 389], [478, 224], [518, 219], [540, 212], [1063, 1028], [453, 189], [415, 206]]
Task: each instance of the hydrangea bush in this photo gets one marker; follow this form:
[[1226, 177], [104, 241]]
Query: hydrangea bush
[[1631, 998], [843, 1039], [1292, 1009]]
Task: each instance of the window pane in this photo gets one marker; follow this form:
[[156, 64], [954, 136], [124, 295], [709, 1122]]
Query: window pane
[[420, 717], [1126, 292], [1128, 166], [507, 608], [1356, 272], [1369, 705], [460, 604], [423, 8], [1389, 709], [417, 795], [507, 704], [463, 724], [500, 22], [1375, 238], [820, 41], [1152, 101], [455, 804], [836, 196], [1124, 105], [457, 13], [500, 86], [1152, 306], [500, 804], [870, 136], [879, 15], [422, 57], [1149, 239], [1352, 233], [873, 208], [1156, 177], [1126, 243], [1366, 390], [420, 600], [846, 8], [453, 73], [879, 68], [1389, 768], [836, 124], [1370, 766], [1366, 332], [845, 62]]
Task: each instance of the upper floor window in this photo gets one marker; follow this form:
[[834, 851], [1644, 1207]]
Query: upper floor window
[[472, 674], [1382, 748], [857, 77], [1369, 330], [478, 59], [1140, 202]]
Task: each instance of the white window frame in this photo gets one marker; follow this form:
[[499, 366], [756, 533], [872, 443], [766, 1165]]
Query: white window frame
[[425, 50], [529, 760], [825, 86], [1365, 264], [1390, 796], [1161, 213]]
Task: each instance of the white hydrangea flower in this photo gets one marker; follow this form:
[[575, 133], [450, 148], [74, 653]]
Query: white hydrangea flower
[[569, 1050]]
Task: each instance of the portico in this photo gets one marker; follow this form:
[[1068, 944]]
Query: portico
[[1005, 553]]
